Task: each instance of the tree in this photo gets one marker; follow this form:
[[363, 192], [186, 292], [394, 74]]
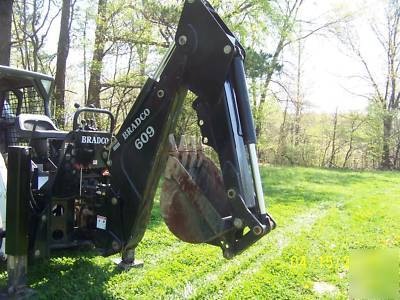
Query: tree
[[385, 95], [331, 162], [355, 120], [282, 20], [98, 55], [62, 56], [32, 23], [5, 31]]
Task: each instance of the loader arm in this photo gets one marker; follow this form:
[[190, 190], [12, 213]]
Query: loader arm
[[206, 59]]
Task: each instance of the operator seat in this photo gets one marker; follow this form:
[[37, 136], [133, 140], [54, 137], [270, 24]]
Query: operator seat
[[41, 133], [32, 126]]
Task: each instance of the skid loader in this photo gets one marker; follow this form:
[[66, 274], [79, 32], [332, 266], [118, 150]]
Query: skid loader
[[92, 186]]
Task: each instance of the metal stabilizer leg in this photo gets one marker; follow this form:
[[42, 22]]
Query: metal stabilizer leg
[[128, 261], [18, 193]]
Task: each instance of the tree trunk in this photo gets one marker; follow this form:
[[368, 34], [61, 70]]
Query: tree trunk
[[396, 157], [349, 152], [62, 55], [333, 152], [387, 132], [98, 55], [298, 100], [282, 135], [85, 85], [5, 31], [322, 163], [263, 98]]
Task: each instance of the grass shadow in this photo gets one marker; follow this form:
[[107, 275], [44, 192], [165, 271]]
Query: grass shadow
[[72, 275]]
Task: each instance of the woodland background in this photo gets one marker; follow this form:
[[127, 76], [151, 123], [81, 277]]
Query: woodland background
[[103, 51]]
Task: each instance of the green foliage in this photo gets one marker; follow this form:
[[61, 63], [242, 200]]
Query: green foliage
[[258, 64], [137, 34]]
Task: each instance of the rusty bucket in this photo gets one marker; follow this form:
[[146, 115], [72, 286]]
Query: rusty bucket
[[193, 200]]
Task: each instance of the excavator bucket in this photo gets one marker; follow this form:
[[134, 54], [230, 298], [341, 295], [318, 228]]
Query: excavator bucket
[[193, 201]]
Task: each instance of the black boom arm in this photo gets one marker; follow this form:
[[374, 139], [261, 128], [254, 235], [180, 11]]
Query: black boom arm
[[206, 59]]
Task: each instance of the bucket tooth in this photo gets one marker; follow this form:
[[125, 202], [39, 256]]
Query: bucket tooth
[[192, 152], [200, 153], [183, 150], [173, 148], [182, 143], [199, 144], [192, 144]]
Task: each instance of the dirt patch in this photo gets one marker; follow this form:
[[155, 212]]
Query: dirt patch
[[324, 288]]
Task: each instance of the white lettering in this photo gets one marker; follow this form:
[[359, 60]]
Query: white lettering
[[144, 137], [135, 124], [97, 140]]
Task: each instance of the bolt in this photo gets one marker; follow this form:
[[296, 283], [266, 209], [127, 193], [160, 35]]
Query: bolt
[[44, 218], [160, 93], [205, 140], [257, 230], [37, 253], [231, 193], [114, 201], [227, 49], [201, 122], [105, 155], [238, 223], [109, 163], [182, 40]]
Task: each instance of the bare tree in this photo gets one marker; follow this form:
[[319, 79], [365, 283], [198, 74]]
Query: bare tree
[[299, 103], [287, 33], [331, 162], [356, 121], [386, 96], [32, 22]]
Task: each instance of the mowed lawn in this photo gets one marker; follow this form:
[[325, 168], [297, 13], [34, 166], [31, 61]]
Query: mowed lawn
[[322, 216]]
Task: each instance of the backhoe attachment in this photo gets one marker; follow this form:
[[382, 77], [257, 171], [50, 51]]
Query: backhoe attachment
[[90, 187], [200, 202]]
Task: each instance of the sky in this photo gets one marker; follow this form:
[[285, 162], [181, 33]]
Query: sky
[[331, 74]]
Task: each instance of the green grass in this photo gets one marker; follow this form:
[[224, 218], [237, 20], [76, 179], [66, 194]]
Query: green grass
[[322, 216]]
